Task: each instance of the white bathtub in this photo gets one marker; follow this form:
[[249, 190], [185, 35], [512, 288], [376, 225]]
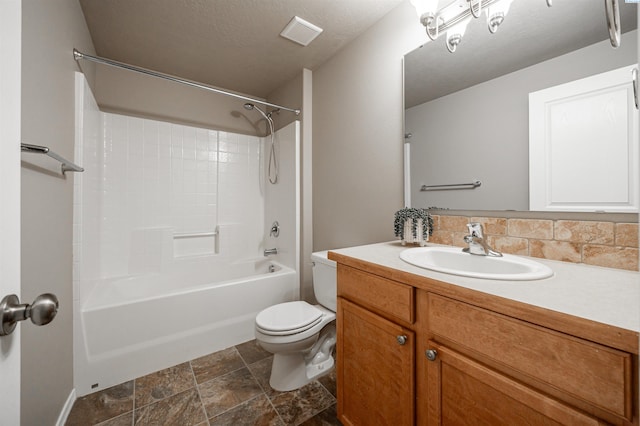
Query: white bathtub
[[136, 325]]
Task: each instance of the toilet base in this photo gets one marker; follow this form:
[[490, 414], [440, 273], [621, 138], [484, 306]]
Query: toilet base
[[294, 370]]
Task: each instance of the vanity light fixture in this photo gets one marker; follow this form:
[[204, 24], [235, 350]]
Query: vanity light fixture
[[454, 16]]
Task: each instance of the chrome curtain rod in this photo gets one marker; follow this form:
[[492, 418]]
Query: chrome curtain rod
[[67, 166], [77, 55]]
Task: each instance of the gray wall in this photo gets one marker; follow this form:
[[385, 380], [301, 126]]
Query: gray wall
[[290, 95], [357, 134], [130, 93], [483, 132], [50, 30]]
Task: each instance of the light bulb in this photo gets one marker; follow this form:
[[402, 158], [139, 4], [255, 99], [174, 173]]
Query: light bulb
[[455, 34], [496, 14]]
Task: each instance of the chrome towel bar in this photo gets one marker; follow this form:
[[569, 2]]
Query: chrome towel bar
[[470, 185], [67, 166]]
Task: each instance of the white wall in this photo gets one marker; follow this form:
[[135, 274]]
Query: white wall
[[10, 77], [282, 200], [154, 179], [299, 93], [50, 30], [358, 136], [494, 148], [146, 180], [87, 203]]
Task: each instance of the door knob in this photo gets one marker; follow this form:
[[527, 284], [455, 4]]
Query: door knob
[[402, 339], [41, 311]]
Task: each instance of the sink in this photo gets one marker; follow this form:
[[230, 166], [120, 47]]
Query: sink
[[452, 260]]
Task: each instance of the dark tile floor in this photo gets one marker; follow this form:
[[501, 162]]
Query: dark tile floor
[[229, 387]]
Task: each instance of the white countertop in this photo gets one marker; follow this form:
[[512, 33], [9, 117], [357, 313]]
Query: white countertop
[[606, 295]]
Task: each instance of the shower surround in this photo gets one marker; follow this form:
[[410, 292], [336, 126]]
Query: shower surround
[[170, 226]]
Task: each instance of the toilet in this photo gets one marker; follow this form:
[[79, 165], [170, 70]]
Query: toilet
[[302, 336]]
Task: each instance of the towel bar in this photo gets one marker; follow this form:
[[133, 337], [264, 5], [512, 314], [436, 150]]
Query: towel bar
[[67, 166], [470, 185]]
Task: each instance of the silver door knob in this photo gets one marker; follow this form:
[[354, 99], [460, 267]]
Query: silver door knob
[[431, 354], [401, 339], [41, 311]]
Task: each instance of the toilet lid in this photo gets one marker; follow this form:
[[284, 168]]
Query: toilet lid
[[287, 317]]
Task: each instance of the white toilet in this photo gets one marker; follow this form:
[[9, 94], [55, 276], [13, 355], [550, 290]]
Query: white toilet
[[300, 335]]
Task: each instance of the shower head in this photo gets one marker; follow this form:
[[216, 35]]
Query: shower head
[[250, 107]]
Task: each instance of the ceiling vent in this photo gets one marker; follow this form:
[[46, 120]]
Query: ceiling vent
[[301, 31]]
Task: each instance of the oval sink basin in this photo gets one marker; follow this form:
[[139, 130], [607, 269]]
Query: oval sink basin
[[452, 260]]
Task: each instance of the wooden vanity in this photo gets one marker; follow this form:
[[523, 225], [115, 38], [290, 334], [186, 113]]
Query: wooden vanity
[[419, 347]]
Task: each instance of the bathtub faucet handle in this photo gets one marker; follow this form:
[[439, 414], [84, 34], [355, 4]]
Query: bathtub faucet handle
[[275, 229], [270, 251]]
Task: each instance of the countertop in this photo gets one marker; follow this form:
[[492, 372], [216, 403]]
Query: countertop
[[604, 295]]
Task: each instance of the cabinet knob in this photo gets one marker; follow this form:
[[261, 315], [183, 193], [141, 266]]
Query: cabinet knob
[[431, 354], [402, 339]]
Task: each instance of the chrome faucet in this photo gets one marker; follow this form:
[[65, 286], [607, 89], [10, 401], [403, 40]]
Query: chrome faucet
[[270, 251], [477, 244]]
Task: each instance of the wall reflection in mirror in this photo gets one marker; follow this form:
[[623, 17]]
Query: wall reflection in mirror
[[468, 112]]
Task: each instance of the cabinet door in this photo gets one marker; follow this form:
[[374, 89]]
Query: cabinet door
[[463, 392], [375, 369]]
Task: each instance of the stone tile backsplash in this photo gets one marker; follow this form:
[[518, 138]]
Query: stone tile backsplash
[[609, 244]]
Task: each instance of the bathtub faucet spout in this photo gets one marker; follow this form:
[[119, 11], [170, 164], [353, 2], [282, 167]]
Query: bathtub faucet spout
[[268, 252]]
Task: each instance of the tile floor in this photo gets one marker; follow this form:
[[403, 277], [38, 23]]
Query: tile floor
[[229, 387]]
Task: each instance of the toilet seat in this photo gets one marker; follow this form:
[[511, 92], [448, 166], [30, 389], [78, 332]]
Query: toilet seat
[[288, 318], [296, 336]]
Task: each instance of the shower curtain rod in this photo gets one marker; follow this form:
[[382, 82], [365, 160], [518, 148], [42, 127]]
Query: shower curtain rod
[[77, 55]]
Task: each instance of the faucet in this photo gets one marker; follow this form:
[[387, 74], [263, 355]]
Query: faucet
[[270, 251], [477, 244]]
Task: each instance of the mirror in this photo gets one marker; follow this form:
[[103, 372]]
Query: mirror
[[467, 112]]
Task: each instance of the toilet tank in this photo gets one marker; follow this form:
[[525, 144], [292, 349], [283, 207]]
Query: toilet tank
[[325, 280]]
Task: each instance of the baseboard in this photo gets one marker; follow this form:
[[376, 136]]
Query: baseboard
[[64, 414]]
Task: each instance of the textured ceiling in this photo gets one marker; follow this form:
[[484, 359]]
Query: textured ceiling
[[232, 44], [530, 33]]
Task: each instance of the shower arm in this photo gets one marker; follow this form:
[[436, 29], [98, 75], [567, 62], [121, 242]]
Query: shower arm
[[77, 55]]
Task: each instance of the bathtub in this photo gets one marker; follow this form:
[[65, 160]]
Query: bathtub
[[132, 326]]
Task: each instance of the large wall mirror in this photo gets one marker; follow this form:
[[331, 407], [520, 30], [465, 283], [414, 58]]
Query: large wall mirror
[[467, 113]]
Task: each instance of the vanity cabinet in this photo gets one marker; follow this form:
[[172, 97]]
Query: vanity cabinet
[[375, 376], [375, 354], [430, 353], [463, 391], [495, 365]]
